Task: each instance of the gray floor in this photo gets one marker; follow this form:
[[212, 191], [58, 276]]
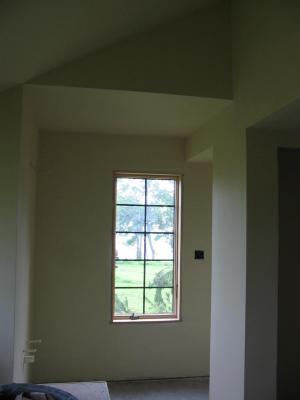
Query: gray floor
[[175, 389]]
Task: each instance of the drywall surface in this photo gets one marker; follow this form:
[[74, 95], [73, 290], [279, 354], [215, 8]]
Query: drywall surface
[[232, 311], [225, 136], [72, 275], [265, 78], [10, 128], [70, 28], [77, 109], [288, 365], [191, 56], [266, 58], [25, 238], [262, 260]]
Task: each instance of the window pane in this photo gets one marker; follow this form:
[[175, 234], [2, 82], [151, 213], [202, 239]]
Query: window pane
[[158, 301], [160, 219], [129, 273], [145, 277], [161, 191], [130, 191], [159, 273], [128, 301], [130, 218], [130, 246], [159, 247]]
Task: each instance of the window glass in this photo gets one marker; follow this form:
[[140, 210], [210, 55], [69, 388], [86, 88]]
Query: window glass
[[146, 248], [130, 191]]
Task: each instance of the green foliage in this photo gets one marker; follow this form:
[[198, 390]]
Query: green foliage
[[158, 299], [121, 307], [162, 279]]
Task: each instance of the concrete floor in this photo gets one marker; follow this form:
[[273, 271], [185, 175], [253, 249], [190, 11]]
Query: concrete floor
[[163, 389]]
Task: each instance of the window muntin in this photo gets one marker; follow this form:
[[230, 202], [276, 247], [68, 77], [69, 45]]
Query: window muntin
[[146, 234]]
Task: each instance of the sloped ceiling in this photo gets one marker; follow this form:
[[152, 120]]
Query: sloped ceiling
[[188, 56], [38, 35]]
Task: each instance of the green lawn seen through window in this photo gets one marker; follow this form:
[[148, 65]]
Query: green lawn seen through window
[[129, 276]]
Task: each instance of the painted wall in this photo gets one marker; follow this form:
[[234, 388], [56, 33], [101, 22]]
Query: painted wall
[[10, 131], [265, 37], [265, 78], [266, 57], [262, 260], [25, 238], [224, 135], [73, 260], [190, 56]]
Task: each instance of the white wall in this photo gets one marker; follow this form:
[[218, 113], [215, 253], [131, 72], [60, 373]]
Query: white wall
[[25, 238], [188, 56], [10, 131], [266, 61], [262, 260], [227, 358], [72, 277], [266, 57]]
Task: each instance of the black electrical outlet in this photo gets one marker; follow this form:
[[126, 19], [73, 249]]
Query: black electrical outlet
[[199, 254]]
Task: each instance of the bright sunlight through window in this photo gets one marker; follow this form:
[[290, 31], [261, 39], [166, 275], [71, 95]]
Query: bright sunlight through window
[[146, 248]]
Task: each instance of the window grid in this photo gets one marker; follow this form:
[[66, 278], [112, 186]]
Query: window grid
[[144, 233], [145, 259], [145, 244]]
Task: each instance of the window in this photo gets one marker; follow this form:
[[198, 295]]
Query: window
[[146, 250]]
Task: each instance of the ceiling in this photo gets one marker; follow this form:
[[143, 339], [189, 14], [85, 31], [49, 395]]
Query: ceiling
[[85, 110], [38, 35]]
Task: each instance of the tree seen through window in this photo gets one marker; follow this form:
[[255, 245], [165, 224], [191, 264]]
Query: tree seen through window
[[145, 246]]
